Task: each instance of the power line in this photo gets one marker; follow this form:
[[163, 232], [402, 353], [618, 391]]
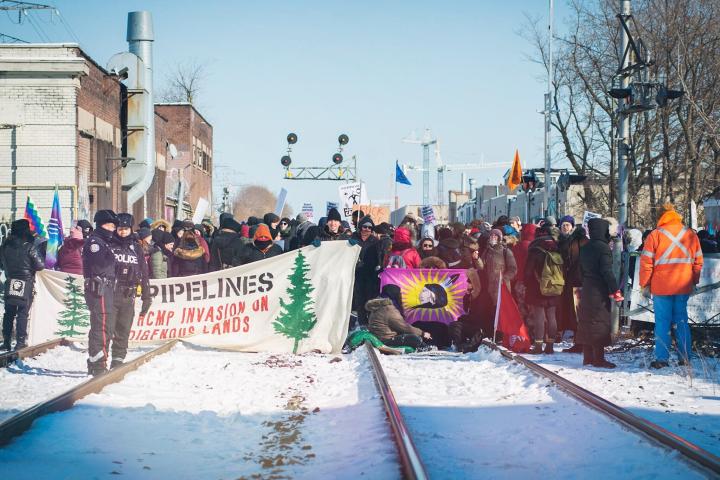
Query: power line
[[38, 28], [67, 26], [12, 39]]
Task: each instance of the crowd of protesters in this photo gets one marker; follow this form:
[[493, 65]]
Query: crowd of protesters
[[560, 273]]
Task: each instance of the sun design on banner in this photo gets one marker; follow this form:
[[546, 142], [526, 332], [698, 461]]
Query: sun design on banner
[[431, 295]]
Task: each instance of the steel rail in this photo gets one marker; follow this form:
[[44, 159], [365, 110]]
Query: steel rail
[[8, 357], [21, 422], [695, 454], [412, 466]]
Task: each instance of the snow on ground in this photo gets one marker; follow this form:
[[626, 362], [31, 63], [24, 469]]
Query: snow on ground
[[482, 416], [202, 413], [684, 400], [29, 381]]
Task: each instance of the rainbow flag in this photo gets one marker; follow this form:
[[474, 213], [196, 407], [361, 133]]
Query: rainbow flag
[[55, 233], [31, 215]]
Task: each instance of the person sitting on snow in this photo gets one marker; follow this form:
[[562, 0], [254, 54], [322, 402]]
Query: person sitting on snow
[[387, 323]]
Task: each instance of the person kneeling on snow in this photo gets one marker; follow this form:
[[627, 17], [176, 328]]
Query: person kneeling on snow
[[386, 321]]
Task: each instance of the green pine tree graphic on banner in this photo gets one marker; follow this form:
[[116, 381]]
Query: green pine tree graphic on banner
[[76, 314], [297, 318]]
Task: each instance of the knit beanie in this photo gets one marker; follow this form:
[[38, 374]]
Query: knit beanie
[[569, 219], [262, 233], [333, 214]]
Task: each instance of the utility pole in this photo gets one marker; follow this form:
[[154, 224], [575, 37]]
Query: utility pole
[[548, 110], [623, 118], [426, 141]]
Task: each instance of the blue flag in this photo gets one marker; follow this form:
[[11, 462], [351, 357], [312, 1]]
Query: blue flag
[[400, 176], [55, 233]]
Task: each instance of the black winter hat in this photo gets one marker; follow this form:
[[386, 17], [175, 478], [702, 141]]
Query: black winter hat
[[20, 227], [230, 223], [105, 216], [84, 225], [270, 218], [333, 214], [125, 220], [144, 224], [366, 220], [225, 215], [253, 221], [157, 235], [167, 238], [144, 233]]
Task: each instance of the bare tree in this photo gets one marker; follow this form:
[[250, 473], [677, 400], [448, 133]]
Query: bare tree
[[256, 201], [184, 83]]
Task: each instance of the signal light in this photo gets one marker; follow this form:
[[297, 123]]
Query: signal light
[[286, 161], [337, 158], [343, 139], [292, 139]]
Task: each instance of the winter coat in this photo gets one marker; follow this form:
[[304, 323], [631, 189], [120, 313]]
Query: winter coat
[[496, 262], [402, 246], [159, 263], [69, 256], [533, 269], [520, 251], [385, 321], [251, 253], [188, 259], [666, 267], [570, 250], [448, 249], [19, 258], [376, 253], [598, 283], [325, 235], [226, 247], [298, 239]]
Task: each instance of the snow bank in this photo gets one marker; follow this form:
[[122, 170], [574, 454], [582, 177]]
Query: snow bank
[[481, 416]]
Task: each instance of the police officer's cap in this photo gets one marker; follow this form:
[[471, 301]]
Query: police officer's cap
[[125, 220], [105, 216]]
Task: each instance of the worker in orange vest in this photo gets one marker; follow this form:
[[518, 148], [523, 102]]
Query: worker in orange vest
[[670, 265]]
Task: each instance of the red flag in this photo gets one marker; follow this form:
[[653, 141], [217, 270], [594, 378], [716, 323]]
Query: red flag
[[510, 323]]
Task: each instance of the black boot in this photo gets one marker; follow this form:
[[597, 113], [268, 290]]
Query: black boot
[[588, 355], [116, 362], [577, 348], [658, 364], [549, 348], [6, 344], [21, 342], [96, 368]]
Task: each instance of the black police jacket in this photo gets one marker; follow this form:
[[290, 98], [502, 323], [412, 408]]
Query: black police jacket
[[131, 268], [19, 258], [98, 255]]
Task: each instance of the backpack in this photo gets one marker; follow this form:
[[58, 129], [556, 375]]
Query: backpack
[[396, 261], [551, 279]]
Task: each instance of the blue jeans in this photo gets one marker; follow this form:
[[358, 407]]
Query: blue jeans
[[671, 310]]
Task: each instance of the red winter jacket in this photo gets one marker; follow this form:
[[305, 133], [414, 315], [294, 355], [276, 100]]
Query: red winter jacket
[[402, 245], [527, 235], [69, 257]]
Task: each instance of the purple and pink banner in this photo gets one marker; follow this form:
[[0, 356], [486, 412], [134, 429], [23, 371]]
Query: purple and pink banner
[[429, 295]]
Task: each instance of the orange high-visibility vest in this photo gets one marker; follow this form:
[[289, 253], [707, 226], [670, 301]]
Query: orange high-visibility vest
[[671, 259]]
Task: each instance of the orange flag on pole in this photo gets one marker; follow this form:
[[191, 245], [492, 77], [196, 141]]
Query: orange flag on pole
[[515, 177]]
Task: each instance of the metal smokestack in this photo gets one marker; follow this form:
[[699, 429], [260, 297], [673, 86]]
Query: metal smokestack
[[472, 188], [140, 40], [462, 182]]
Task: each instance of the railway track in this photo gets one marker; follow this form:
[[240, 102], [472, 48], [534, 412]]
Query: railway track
[[18, 424], [657, 434], [8, 357]]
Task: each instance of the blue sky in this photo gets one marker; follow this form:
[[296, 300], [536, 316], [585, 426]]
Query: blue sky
[[372, 69]]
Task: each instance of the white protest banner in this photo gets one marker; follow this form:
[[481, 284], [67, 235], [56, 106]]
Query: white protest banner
[[307, 210], [703, 305], [200, 210], [296, 302], [280, 204], [351, 194]]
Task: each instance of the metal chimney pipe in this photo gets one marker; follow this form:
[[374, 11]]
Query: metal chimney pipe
[[462, 182], [140, 40], [472, 188]]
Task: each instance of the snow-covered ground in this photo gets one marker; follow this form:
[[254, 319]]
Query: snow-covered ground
[[684, 400], [29, 381], [481, 416], [201, 413]]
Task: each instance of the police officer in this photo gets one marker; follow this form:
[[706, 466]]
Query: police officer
[[99, 272], [131, 272]]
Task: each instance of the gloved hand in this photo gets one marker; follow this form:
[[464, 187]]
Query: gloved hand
[[617, 296], [316, 242], [353, 241], [146, 303]]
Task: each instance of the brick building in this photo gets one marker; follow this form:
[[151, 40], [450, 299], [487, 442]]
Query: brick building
[[63, 121], [192, 136]]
